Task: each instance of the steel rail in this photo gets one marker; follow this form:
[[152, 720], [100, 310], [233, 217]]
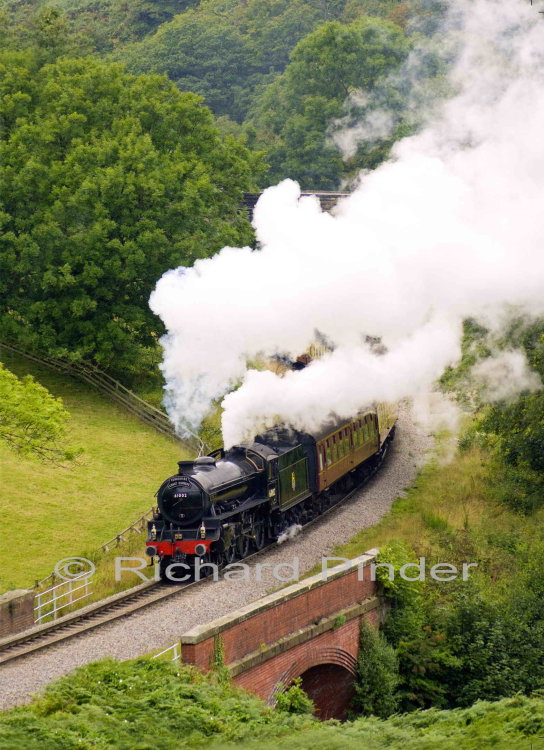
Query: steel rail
[[134, 599]]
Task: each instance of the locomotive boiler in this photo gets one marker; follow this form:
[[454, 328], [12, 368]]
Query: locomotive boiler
[[219, 508]]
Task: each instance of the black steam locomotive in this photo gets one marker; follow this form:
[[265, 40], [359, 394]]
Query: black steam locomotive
[[221, 507]]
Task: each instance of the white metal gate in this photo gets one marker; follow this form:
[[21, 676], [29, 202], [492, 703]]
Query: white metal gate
[[54, 600]]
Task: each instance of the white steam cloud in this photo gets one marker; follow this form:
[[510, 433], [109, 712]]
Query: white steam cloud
[[450, 227], [504, 375]]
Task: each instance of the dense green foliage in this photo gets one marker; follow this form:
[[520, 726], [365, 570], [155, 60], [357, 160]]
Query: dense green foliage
[[460, 641], [90, 24], [145, 704], [31, 420], [293, 115], [203, 46], [377, 674], [259, 64], [513, 428], [108, 181], [294, 700], [224, 50], [516, 432], [516, 429]]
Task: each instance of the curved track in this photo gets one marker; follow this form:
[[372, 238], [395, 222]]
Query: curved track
[[126, 602]]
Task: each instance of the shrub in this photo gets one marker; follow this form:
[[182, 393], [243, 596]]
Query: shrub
[[377, 674], [294, 700]]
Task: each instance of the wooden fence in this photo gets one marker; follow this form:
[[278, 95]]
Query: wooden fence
[[137, 527], [117, 392], [114, 390]]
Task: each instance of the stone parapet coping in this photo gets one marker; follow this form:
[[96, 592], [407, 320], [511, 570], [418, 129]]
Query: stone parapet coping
[[9, 596], [208, 630], [331, 622]]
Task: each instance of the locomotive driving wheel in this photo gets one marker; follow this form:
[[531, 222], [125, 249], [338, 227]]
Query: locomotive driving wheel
[[259, 535], [230, 554], [243, 543], [244, 537]]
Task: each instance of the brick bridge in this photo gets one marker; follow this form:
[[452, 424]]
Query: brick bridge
[[327, 199], [309, 630]]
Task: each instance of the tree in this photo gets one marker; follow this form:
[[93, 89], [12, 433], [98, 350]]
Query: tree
[[202, 52], [108, 181], [292, 117], [377, 674], [98, 25], [225, 50], [32, 421]]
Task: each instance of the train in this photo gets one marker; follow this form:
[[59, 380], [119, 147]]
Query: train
[[221, 507]]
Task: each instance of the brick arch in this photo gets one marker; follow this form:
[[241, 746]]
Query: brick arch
[[314, 658]]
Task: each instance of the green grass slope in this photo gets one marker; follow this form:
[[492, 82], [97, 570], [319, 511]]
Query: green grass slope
[[51, 512], [145, 704]]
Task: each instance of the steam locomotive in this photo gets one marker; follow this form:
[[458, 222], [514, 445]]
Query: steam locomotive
[[219, 508]]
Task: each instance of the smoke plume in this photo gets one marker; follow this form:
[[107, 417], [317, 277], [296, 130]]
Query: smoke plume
[[449, 227]]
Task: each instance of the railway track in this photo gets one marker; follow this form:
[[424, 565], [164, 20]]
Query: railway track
[[86, 618], [126, 602]]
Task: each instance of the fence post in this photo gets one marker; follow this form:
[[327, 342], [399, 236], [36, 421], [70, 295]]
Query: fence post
[[54, 603]]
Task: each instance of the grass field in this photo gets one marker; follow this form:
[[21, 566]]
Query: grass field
[[451, 514], [51, 512]]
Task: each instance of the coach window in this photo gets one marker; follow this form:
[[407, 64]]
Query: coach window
[[321, 459]]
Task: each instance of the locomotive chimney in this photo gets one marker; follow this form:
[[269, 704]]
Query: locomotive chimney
[[184, 466]]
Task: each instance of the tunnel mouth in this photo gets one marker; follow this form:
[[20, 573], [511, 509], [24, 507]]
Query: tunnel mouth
[[331, 687]]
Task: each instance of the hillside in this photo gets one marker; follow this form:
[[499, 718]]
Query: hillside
[[56, 511], [146, 704], [261, 66]]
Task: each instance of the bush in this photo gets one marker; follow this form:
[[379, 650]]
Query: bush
[[294, 700], [377, 675]]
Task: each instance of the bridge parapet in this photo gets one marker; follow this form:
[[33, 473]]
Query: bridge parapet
[[328, 199], [309, 626]]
